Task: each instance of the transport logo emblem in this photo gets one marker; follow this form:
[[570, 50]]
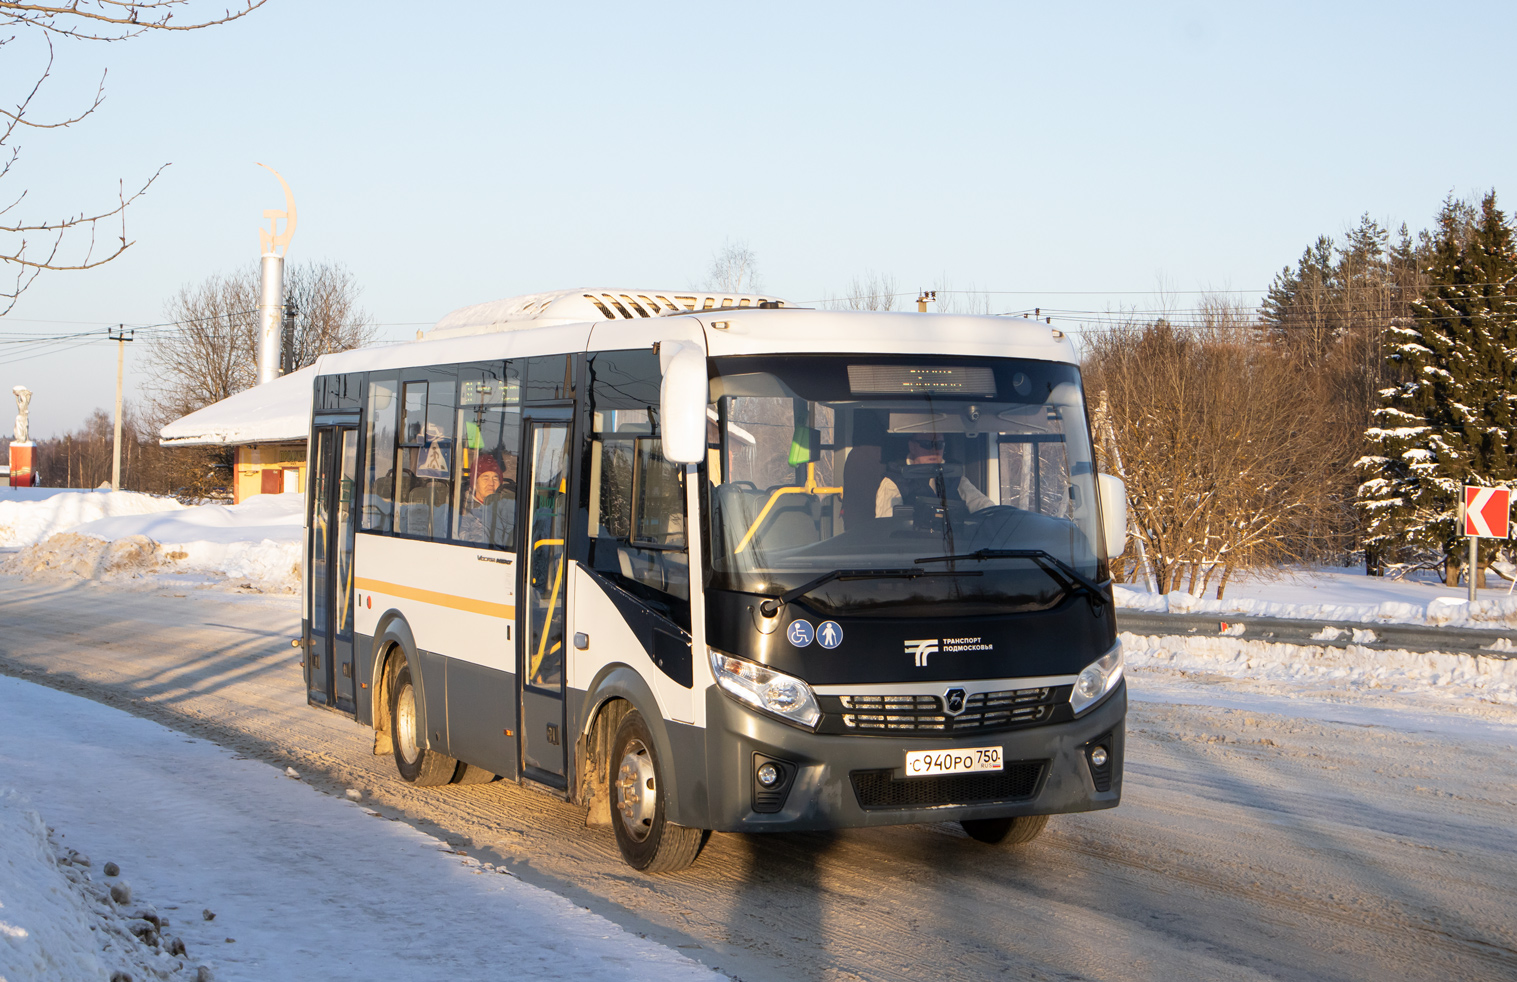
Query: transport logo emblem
[[921, 649], [829, 634], [800, 633], [954, 700]]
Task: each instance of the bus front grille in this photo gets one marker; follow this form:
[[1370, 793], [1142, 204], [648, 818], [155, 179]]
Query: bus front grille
[[983, 711], [881, 789]]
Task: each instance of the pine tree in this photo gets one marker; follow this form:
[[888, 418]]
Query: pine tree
[[1449, 422], [1298, 310]]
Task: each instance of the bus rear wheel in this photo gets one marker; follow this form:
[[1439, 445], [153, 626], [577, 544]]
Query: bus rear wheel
[[647, 840], [1012, 832], [422, 767]]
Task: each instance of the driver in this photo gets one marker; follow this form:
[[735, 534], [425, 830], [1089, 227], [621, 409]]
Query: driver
[[923, 449]]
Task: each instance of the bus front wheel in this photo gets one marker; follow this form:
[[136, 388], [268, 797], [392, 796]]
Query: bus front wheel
[[1005, 831], [648, 842], [420, 766]]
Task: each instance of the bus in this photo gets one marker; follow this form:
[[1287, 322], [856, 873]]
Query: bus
[[712, 563]]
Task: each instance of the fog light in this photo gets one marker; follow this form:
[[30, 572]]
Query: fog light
[[768, 775], [1098, 757]]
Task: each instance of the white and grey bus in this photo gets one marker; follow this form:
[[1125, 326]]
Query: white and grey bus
[[715, 563]]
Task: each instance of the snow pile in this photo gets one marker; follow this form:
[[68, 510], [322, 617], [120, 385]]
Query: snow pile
[[58, 925], [255, 544], [1353, 668], [70, 554], [30, 494], [28, 519], [1500, 609]]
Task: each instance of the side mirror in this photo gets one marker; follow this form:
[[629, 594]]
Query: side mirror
[[1113, 513], [682, 402]]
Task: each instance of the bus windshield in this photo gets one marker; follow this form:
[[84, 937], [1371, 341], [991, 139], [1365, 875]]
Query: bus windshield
[[894, 464]]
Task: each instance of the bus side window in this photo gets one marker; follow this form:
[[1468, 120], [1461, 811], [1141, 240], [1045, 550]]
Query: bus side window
[[488, 431], [379, 470], [340, 393], [423, 497], [1035, 473], [637, 500], [549, 377]]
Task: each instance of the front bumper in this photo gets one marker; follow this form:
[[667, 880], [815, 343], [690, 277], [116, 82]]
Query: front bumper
[[821, 787]]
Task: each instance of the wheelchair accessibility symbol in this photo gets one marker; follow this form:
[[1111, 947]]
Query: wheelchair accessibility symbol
[[829, 634], [800, 633]]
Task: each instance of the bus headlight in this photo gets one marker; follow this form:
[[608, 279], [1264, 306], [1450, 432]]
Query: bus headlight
[[763, 688], [1099, 678]]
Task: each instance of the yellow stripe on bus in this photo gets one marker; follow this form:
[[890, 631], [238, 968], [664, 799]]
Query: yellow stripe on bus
[[439, 599]]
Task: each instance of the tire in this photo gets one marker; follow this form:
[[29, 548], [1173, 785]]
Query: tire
[[648, 842], [1010, 832], [472, 774], [423, 768]]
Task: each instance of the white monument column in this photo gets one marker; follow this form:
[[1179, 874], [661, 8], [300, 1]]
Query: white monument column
[[276, 244], [21, 443]]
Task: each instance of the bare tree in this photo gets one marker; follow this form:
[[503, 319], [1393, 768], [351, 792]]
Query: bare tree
[[734, 269], [1228, 463], [954, 301], [73, 241], [209, 352], [84, 458], [871, 291], [327, 316]]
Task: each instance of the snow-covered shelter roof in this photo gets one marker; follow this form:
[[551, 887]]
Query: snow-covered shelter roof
[[280, 410], [274, 412], [584, 305]]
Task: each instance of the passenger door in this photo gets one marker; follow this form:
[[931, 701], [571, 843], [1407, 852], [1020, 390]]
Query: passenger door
[[543, 594], [329, 647]]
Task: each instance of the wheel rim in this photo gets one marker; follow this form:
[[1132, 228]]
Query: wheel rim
[[405, 725], [636, 791]]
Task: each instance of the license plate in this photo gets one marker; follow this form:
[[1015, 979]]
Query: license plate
[[921, 763]]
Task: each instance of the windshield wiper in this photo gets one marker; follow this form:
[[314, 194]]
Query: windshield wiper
[[1045, 560], [772, 605]]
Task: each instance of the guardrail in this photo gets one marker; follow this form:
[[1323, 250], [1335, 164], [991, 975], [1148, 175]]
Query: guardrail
[[1336, 634]]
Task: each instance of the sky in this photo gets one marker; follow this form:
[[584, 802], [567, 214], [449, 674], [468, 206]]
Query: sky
[[1101, 157]]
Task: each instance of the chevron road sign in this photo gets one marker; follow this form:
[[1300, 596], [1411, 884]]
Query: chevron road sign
[[1486, 511]]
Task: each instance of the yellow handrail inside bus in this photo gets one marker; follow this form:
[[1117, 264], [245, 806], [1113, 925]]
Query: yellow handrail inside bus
[[810, 487], [558, 581]]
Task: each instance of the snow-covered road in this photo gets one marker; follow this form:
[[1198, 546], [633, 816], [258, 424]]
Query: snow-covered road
[[1260, 836], [303, 885]]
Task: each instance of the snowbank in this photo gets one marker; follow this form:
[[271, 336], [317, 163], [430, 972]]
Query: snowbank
[[1337, 595], [254, 545], [1443, 677], [28, 519], [31, 494], [57, 924]]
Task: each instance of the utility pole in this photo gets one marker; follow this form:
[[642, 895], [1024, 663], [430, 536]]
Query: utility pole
[[121, 337], [924, 297], [287, 355]]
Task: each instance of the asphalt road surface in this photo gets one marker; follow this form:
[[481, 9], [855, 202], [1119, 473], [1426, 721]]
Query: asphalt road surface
[[1249, 845]]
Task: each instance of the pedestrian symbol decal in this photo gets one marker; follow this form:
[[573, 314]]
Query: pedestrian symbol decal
[[830, 634], [800, 633]]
